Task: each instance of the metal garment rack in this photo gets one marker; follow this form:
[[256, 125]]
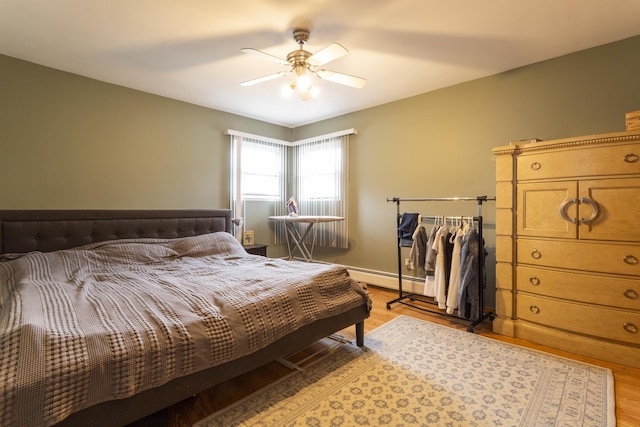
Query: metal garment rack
[[403, 296]]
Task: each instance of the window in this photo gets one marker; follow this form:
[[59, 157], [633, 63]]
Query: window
[[318, 172], [261, 170], [258, 172]]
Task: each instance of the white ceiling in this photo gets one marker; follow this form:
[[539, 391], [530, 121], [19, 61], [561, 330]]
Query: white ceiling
[[190, 49]]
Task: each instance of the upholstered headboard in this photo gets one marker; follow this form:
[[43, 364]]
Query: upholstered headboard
[[49, 230]]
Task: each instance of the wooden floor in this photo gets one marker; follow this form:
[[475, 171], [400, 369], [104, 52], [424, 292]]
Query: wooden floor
[[627, 380]]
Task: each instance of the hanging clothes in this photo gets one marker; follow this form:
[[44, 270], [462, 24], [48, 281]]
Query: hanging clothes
[[417, 255], [439, 246], [454, 277], [406, 227], [448, 255], [469, 290], [430, 262]]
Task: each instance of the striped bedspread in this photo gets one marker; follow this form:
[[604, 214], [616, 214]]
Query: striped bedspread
[[109, 320]]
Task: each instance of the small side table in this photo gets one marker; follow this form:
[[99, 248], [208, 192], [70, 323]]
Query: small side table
[[257, 249]]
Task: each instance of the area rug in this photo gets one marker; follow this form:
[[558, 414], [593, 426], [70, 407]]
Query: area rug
[[413, 372]]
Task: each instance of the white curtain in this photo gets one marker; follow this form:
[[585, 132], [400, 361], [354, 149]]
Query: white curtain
[[236, 200], [258, 172], [320, 183]]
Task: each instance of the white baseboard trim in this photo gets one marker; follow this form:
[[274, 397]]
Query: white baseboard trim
[[374, 279], [386, 280]]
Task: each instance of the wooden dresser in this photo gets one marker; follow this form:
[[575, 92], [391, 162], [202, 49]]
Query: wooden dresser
[[568, 244]]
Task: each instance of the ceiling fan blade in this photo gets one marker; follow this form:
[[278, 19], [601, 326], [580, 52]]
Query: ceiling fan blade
[[344, 79], [265, 55], [327, 54], [264, 78]]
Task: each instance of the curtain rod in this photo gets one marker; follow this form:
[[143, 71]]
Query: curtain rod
[[432, 217], [339, 133]]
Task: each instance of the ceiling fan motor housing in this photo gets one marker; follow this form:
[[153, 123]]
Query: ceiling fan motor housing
[[301, 36], [298, 58]]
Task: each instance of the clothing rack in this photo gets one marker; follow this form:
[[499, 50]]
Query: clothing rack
[[403, 296]]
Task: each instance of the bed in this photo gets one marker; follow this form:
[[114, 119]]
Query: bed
[[107, 316]]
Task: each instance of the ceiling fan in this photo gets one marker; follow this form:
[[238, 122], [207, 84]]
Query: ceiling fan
[[304, 64]]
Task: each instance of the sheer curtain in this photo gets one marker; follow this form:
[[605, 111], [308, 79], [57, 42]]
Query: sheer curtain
[[258, 172], [320, 183]]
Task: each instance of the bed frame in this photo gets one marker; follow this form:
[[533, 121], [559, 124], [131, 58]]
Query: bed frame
[[48, 230]]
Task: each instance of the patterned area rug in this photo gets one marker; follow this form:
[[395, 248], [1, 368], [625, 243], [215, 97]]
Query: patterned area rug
[[414, 372]]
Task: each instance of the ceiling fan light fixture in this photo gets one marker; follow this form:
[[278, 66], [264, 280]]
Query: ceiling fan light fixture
[[303, 80], [304, 92], [287, 90], [314, 91], [308, 93], [305, 95]]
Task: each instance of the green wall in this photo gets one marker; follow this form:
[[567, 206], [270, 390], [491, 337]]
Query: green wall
[[439, 144], [72, 142]]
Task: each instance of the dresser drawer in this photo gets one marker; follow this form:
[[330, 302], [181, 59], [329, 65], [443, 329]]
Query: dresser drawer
[[590, 161], [602, 322], [589, 288], [579, 255]]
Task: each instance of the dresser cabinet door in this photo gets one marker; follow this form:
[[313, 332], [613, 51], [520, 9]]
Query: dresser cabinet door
[[543, 209], [609, 209], [599, 209]]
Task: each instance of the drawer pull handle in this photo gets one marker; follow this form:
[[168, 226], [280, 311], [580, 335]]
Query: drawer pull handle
[[536, 254], [631, 158], [563, 210], [630, 327], [535, 310], [631, 260], [630, 293], [594, 210], [536, 166], [534, 281]]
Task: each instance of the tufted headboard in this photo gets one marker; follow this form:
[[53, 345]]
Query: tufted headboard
[[49, 230]]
